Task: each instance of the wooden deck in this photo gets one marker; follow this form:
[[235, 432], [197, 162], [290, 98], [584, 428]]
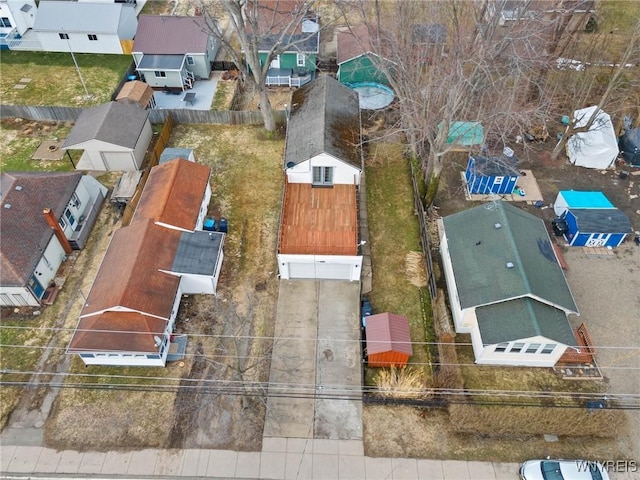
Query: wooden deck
[[320, 221]]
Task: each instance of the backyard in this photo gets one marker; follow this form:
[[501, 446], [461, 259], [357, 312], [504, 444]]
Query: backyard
[[50, 78]]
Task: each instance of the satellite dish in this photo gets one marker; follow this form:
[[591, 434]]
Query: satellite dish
[[158, 340]]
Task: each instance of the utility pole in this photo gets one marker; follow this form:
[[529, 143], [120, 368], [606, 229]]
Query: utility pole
[[66, 37]]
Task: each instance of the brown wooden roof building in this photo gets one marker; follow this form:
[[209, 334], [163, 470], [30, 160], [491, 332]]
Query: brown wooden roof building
[[388, 340]]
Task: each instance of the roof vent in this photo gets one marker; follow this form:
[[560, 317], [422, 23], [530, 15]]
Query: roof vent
[[497, 225], [18, 187], [510, 265], [7, 205]]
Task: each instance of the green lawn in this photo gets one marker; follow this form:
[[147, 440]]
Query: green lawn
[[55, 80]]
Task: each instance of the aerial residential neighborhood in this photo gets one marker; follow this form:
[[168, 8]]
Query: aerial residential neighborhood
[[320, 239]]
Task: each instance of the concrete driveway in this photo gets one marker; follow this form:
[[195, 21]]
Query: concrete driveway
[[315, 379]]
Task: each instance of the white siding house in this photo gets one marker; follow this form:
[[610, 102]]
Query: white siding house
[[506, 288], [114, 136], [16, 17], [130, 322], [172, 51], [323, 165], [82, 27]]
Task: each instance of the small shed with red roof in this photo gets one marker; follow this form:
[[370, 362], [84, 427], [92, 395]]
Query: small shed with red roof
[[388, 340]]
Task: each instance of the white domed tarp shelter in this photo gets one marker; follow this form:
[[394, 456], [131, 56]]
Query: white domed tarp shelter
[[597, 148]]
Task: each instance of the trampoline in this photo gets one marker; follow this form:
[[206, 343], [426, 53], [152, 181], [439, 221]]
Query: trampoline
[[373, 96]]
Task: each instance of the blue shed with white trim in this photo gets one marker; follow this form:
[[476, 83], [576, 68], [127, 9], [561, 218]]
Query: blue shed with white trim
[[492, 174], [600, 227]]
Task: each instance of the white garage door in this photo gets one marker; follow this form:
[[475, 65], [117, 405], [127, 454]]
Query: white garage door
[[328, 271]]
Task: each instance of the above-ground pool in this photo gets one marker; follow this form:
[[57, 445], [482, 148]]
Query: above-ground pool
[[373, 96]]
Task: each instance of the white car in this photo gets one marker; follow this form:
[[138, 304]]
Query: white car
[[562, 470]]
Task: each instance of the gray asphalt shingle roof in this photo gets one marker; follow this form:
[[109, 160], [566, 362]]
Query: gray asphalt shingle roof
[[602, 220], [198, 253], [25, 231], [161, 62], [496, 264], [81, 17], [523, 318], [325, 118], [114, 122], [170, 35]]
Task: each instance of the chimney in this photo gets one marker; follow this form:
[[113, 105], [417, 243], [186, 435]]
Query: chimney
[[57, 229]]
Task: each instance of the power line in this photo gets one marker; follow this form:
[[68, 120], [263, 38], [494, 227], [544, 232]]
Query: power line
[[275, 338]]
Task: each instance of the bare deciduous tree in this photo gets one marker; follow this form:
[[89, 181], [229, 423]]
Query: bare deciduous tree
[[477, 75], [603, 83], [254, 26]]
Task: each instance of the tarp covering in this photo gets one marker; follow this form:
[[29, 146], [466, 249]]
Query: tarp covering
[[465, 133], [597, 148], [629, 144]]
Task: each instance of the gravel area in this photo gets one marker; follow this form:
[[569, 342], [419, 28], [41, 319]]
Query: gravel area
[[605, 288]]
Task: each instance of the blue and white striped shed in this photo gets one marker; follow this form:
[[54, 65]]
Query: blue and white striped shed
[[492, 174], [599, 227]]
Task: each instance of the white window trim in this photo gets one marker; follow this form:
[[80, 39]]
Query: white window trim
[[301, 60]]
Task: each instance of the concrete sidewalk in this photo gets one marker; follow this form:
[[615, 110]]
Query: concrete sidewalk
[[280, 458]]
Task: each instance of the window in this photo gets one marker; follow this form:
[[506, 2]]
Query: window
[[5, 22], [6, 299], [548, 348], [75, 201], [70, 218], [532, 348], [498, 180], [322, 175], [92, 37], [64, 36], [19, 300], [62, 223], [516, 348], [86, 355], [160, 74], [501, 347], [301, 60], [190, 60]]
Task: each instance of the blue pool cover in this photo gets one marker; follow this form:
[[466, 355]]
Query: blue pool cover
[[373, 96]]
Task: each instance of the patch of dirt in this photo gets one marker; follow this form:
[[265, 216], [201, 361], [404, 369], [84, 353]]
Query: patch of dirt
[[280, 98]]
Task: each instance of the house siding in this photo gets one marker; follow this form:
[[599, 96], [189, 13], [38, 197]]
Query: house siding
[[361, 69], [80, 43], [17, 297], [290, 60], [343, 173], [173, 78], [489, 356]]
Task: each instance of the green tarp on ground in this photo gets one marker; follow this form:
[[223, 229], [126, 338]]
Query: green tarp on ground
[[465, 133]]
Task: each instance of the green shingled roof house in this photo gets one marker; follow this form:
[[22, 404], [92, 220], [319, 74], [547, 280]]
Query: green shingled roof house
[[505, 286]]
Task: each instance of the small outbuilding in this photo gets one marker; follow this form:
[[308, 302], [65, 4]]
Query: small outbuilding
[[492, 174], [388, 340], [589, 227], [573, 199], [138, 92], [114, 136]]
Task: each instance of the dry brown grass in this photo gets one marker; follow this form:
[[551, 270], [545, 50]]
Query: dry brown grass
[[406, 382], [415, 269], [507, 420]]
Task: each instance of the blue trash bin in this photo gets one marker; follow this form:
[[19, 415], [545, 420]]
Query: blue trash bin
[[209, 225], [222, 225]]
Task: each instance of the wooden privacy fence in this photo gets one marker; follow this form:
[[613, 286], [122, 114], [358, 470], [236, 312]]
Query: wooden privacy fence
[[41, 113], [151, 160], [424, 235], [222, 117], [219, 117]]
